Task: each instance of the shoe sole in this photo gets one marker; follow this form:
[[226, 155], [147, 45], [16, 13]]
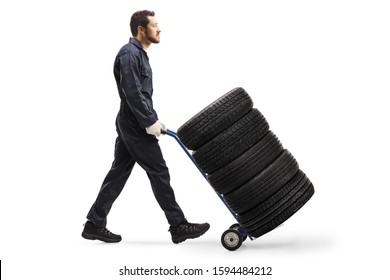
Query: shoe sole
[[185, 237], [91, 236]]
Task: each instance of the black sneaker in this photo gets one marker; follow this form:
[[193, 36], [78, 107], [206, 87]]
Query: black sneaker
[[187, 230], [93, 232]]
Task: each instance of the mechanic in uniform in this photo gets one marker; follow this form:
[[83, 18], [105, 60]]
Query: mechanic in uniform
[[138, 127]]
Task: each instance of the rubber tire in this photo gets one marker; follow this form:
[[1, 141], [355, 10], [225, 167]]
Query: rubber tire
[[245, 167], [254, 215], [263, 185], [232, 142], [231, 239], [282, 211], [215, 118]]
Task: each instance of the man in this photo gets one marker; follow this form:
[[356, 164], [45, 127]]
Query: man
[[138, 126]]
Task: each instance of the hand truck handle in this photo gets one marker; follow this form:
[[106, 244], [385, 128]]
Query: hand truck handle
[[174, 135]]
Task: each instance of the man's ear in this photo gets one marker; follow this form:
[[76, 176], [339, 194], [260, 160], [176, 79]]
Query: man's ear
[[141, 29]]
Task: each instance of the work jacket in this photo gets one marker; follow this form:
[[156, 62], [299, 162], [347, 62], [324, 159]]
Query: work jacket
[[133, 76]]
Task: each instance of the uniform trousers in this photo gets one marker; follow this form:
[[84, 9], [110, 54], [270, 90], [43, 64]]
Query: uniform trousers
[[135, 146]]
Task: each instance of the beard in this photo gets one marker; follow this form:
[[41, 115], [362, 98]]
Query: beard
[[152, 39]]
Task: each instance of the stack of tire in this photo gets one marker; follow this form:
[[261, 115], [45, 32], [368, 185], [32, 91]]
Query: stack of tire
[[246, 163]]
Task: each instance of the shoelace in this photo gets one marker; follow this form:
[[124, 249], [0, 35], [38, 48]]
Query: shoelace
[[105, 231], [188, 227], [185, 227]]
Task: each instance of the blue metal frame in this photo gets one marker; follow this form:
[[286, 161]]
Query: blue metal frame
[[174, 135]]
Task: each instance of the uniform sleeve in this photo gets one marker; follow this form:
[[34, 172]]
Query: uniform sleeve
[[130, 83]]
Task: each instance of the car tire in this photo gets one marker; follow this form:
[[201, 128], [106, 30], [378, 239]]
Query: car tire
[[215, 118]]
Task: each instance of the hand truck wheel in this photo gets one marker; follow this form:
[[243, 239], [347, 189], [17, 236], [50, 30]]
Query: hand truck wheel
[[231, 239], [237, 227]]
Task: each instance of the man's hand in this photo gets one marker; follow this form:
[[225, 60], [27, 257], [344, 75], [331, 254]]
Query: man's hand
[[155, 129]]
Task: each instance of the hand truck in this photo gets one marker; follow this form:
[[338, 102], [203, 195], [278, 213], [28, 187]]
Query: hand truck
[[232, 238]]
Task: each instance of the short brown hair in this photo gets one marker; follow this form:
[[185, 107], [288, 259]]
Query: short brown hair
[[139, 18]]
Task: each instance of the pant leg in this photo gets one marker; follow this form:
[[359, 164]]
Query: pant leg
[[148, 155], [112, 185]]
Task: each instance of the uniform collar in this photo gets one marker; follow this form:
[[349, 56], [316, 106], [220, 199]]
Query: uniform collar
[[136, 43]]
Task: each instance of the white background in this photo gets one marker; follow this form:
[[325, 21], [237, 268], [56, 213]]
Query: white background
[[317, 70]]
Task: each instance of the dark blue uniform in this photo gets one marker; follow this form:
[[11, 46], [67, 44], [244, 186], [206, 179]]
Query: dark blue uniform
[[133, 76]]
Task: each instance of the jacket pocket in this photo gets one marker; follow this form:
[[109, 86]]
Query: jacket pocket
[[145, 72]]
